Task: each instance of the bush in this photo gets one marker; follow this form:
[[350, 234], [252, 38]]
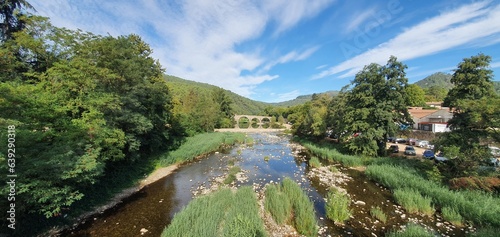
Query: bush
[[488, 184], [337, 206]]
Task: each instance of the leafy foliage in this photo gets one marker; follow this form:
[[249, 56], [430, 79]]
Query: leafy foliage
[[373, 109], [80, 104]]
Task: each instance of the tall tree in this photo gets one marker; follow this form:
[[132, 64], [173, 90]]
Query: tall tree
[[475, 110], [226, 114], [375, 107], [10, 10], [415, 95]]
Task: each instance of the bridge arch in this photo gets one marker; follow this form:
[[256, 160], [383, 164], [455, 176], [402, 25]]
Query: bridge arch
[[260, 121]]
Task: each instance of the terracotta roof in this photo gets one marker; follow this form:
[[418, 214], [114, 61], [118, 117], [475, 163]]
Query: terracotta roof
[[420, 113]]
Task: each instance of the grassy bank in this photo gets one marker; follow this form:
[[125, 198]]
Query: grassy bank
[[480, 208], [201, 144], [288, 203], [410, 181], [223, 213]]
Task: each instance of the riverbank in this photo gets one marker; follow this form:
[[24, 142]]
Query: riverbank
[[166, 165]]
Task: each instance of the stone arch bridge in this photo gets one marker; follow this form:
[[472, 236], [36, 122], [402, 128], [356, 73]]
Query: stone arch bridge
[[260, 120]]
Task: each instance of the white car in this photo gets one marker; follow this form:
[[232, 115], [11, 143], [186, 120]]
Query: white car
[[422, 143], [440, 157]]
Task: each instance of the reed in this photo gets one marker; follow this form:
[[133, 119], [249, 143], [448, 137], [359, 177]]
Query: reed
[[413, 201], [304, 218], [277, 203], [201, 144], [333, 155], [411, 230], [314, 162], [377, 213], [452, 215], [223, 213], [478, 207], [337, 206]]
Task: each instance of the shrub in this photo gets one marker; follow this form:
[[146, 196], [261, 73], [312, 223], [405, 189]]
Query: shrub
[[337, 206], [488, 184], [377, 213]]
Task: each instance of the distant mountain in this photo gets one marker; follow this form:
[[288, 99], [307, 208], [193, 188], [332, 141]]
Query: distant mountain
[[181, 87], [438, 79], [302, 99], [442, 80]]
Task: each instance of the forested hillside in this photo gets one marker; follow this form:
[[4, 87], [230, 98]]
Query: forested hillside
[[438, 79], [240, 105]]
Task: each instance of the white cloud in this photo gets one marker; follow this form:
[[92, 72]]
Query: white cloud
[[358, 18], [291, 57], [194, 39], [464, 25], [286, 96], [495, 65]]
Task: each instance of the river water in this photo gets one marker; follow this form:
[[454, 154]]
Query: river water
[[269, 159]]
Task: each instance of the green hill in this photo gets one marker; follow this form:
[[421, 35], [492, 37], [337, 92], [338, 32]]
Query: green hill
[[438, 79], [302, 99], [180, 88]]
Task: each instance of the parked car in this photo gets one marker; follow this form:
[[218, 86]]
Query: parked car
[[440, 157], [400, 140], [410, 150], [411, 141], [391, 139], [428, 154], [430, 147], [495, 162], [422, 143], [394, 148]]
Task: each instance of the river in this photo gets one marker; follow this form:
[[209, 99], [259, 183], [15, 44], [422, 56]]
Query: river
[[271, 158]]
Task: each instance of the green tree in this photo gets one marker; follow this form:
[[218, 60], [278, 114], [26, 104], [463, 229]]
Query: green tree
[[375, 107], [226, 114], [475, 108], [435, 93], [310, 119], [415, 95], [80, 103], [10, 12]]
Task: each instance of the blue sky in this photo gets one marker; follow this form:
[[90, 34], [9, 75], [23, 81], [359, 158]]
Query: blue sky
[[276, 50]]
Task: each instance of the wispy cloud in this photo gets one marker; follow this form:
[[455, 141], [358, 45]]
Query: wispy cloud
[[495, 65], [293, 56], [358, 18], [287, 96], [465, 25], [194, 39]]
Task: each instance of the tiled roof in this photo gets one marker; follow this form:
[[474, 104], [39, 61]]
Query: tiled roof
[[420, 113]]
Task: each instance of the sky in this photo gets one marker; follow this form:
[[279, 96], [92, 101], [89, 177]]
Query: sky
[[276, 50]]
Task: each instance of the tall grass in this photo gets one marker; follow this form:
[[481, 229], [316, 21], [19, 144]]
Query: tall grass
[[452, 215], [337, 206], [222, 213], [480, 208], [303, 209], [333, 155], [277, 203], [314, 162], [411, 230], [378, 214], [199, 145], [232, 174], [413, 201]]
